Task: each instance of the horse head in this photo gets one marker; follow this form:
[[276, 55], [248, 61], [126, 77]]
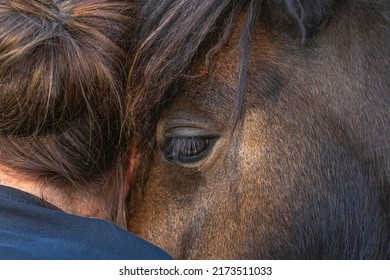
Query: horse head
[[268, 125]]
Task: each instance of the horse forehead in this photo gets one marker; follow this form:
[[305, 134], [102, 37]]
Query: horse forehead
[[211, 83], [216, 76], [210, 89], [205, 98]]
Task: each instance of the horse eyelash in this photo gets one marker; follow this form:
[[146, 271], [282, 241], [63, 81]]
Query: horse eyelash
[[187, 149]]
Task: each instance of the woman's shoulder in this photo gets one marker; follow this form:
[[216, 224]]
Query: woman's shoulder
[[106, 240], [30, 231]]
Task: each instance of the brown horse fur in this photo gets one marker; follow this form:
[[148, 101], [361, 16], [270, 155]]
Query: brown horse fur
[[267, 127]]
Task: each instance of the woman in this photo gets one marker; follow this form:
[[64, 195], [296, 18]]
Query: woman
[[62, 136]]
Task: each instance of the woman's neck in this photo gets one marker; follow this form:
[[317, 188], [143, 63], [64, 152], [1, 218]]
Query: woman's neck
[[77, 203]]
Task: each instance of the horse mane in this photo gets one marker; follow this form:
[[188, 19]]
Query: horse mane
[[172, 33]]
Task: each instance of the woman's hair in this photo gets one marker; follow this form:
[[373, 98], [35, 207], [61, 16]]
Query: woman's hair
[[62, 79]]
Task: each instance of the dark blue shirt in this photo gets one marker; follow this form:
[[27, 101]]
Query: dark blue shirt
[[31, 228]]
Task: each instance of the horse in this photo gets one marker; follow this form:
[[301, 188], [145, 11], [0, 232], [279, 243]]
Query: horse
[[263, 129]]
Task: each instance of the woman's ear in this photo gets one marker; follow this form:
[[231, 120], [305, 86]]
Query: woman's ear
[[130, 171]]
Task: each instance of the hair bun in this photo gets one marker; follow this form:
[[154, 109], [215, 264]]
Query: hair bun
[[53, 63]]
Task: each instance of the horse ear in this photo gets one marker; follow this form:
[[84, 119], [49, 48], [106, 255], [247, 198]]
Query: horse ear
[[310, 14]]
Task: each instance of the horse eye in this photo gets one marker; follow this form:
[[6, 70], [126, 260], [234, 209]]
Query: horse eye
[[188, 149]]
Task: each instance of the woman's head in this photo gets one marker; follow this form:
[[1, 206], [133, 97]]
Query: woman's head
[[62, 80]]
